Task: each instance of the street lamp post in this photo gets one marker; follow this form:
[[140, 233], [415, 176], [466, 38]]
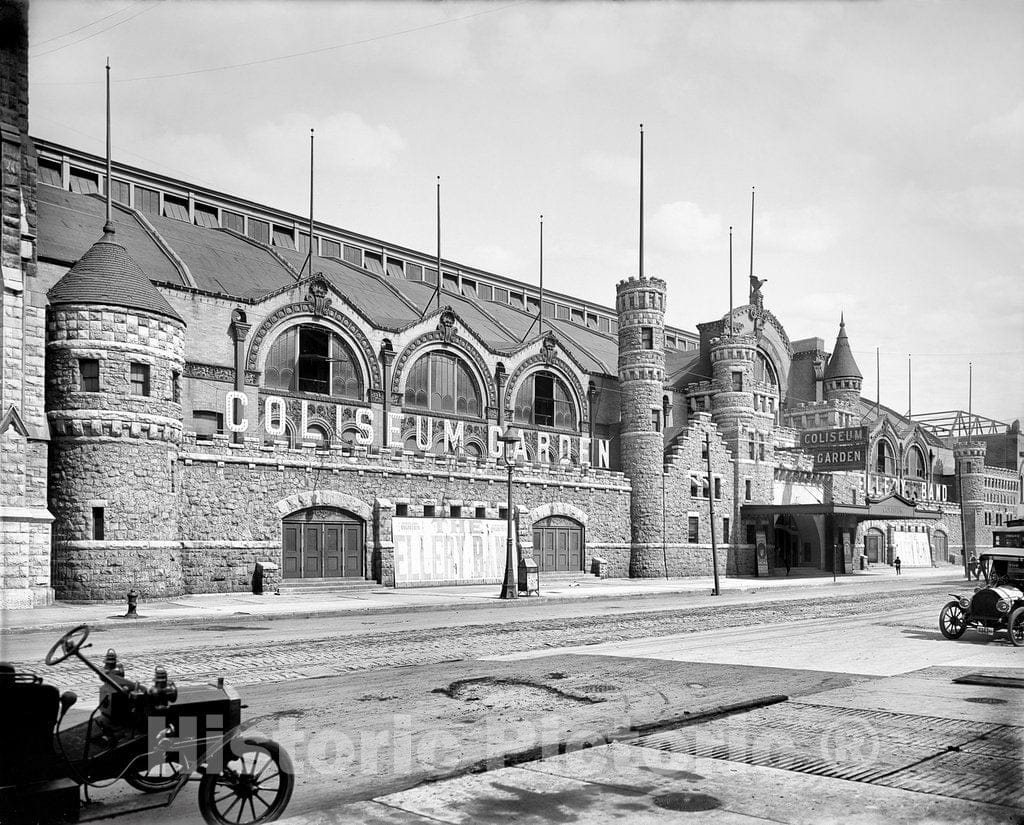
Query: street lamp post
[[509, 439]]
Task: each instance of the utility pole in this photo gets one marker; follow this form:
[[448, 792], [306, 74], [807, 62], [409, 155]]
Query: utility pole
[[711, 512]]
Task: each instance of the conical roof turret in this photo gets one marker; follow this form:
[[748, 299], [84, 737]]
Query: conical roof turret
[[107, 274], [842, 364]]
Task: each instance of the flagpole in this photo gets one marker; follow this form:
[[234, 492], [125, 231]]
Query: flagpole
[[878, 384], [108, 226], [910, 385], [641, 201], [437, 290], [310, 256], [540, 303], [731, 330], [751, 231]]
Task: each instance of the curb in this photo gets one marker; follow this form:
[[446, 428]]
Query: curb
[[334, 612]]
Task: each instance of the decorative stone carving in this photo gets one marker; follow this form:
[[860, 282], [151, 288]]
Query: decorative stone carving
[[446, 325], [317, 296]]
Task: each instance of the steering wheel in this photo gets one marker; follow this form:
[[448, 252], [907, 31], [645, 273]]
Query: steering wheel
[[69, 644]]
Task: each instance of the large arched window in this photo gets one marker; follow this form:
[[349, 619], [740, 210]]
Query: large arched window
[[312, 359], [915, 463], [544, 400], [885, 461], [442, 382], [764, 370]]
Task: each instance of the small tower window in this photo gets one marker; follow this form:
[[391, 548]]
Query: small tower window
[[747, 491], [139, 379], [718, 488], [97, 524], [693, 529], [89, 374], [647, 333], [176, 387], [737, 382]]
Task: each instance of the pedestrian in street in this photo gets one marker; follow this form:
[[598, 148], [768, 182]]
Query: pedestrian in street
[[897, 562], [787, 560], [974, 569]]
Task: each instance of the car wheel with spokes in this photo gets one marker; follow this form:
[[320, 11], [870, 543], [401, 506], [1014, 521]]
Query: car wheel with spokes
[[953, 620], [254, 785], [1015, 627], [154, 779]]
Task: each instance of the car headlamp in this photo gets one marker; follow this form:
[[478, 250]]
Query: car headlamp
[[1003, 606], [965, 602]]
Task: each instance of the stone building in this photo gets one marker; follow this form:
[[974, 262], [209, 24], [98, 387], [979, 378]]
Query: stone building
[[224, 388]]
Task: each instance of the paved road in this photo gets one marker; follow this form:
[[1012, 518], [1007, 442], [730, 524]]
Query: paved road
[[396, 706], [247, 653]]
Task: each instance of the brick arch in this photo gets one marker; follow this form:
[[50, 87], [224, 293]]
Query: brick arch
[[555, 508], [300, 312], [324, 498], [456, 344], [559, 367]]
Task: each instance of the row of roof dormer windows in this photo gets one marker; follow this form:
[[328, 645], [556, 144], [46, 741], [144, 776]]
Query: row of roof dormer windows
[[289, 235], [995, 483]]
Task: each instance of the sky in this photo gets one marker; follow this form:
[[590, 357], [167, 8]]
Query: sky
[[885, 142]]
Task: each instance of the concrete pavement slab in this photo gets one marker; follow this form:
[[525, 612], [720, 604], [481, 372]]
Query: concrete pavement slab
[[621, 783]]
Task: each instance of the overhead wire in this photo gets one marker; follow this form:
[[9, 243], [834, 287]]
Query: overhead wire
[[94, 34], [87, 25], [289, 56]]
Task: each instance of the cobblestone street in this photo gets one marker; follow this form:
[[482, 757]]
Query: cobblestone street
[[258, 657]]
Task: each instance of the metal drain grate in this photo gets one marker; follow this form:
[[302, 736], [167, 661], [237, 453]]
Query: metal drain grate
[[949, 757]]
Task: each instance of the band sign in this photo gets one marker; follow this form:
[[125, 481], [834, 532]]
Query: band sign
[[844, 448]]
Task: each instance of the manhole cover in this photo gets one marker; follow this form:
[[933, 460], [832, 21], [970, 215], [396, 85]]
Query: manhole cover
[[687, 801], [985, 700]]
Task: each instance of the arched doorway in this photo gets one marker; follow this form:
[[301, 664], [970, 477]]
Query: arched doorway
[[558, 544], [874, 545], [322, 542], [940, 547]]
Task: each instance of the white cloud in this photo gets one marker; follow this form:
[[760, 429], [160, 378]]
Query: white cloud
[[620, 169], [683, 227], [1009, 126], [804, 231], [984, 207]]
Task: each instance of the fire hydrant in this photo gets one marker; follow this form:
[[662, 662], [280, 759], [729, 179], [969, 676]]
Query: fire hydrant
[[133, 601]]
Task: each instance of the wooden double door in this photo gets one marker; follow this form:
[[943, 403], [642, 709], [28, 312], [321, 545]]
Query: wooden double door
[[322, 542], [558, 545]]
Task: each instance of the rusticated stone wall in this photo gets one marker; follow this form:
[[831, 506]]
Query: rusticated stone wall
[[24, 518]]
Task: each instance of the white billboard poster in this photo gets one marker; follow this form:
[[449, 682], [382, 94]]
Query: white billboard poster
[[448, 550]]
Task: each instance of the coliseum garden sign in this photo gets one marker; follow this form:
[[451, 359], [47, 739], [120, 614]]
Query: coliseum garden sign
[[843, 448], [550, 447]]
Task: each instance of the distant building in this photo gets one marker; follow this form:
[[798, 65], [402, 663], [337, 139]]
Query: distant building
[[187, 393]]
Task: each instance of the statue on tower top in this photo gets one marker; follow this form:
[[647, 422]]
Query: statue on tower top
[[756, 298]]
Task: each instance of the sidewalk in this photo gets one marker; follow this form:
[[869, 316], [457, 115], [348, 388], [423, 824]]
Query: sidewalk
[[861, 754], [213, 606]]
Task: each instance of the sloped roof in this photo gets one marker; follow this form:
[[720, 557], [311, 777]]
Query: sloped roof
[[107, 274], [842, 364], [222, 262]]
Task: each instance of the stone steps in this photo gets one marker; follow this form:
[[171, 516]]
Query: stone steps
[[298, 587]]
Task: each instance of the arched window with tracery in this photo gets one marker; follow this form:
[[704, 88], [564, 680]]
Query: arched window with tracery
[[885, 460], [915, 467], [313, 359], [764, 370], [544, 400], [442, 382]]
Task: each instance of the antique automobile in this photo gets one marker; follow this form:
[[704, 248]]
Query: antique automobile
[[157, 738], [997, 606]]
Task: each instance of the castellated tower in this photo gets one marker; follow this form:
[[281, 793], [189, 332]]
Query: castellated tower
[[641, 312], [842, 376], [970, 470], [115, 353], [732, 372]]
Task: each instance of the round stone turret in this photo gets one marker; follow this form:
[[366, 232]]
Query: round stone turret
[[842, 380], [641, 313], [732, 370], [970, 472], [115, 355]]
